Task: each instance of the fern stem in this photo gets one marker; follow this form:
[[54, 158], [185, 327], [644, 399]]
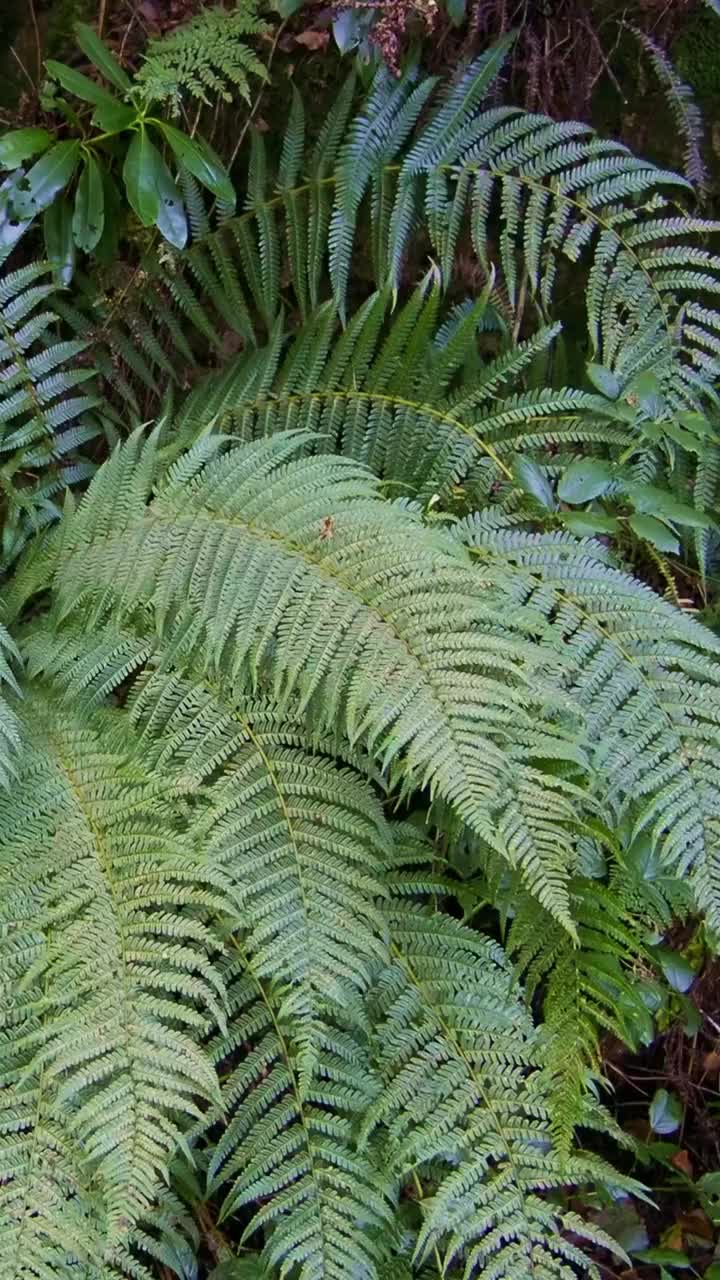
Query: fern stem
[[419, 1191]]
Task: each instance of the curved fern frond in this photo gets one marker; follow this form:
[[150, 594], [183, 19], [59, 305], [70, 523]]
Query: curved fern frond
[[300, 578], [646, 675], [684, 109], [302, 842], [97, 900], [325, 1209], [463, 1097], [588, 989]]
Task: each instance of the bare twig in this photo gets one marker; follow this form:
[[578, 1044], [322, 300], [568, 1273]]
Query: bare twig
[[258, 99]]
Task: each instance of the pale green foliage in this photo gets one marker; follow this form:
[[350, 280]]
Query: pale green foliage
[[207, 58], [320, 591]]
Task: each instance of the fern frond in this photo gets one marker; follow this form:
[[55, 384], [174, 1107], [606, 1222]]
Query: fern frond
[[646, 676], [684, 109], [588, 989], [302, 842], [273, 559], [42, 420], [207, 58], [97, 900], [463, 1097], [324, 1208]]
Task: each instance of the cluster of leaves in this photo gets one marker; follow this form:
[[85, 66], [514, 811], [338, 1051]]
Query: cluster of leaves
[[130, 145], [330, 669]]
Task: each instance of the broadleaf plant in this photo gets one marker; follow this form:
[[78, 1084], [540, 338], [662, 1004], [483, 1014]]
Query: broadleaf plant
[[126, 157]]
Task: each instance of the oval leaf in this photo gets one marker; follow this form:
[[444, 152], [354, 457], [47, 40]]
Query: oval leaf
[[140, 174], [533, 480], [48, 176], [585, 479], [114, 117], [59, 247], [604, 380], [101, 57], [20, 144], [584, 524], [89, 215], [658, 502], [679, 974], [200, 160], [666, 1112], [654, 531], [171, 220]]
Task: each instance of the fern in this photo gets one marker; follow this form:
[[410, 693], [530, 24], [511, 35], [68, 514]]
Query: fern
[[329, 584], [44, 422], [685, 112], [208, 58]]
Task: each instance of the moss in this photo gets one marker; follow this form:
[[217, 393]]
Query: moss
[[696, 53]]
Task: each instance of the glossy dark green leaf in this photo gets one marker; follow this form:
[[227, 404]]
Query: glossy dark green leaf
[[647, 389], [114, 117], [533, 480], [649, 499], [699, 424], [106, 248], [20, 144], [59, 246], [140, 175], [286, 8], [685, 439], [656, 532], [585, 479], [46, 179], [604, 380], [78, 84], [665, 1257], [200, 160], [101, 57], [89, 215], [171, 220]]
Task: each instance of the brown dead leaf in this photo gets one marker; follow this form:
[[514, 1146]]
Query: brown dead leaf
[[697, 1226], [314, 40], [711, 1062], [682, 1161]]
